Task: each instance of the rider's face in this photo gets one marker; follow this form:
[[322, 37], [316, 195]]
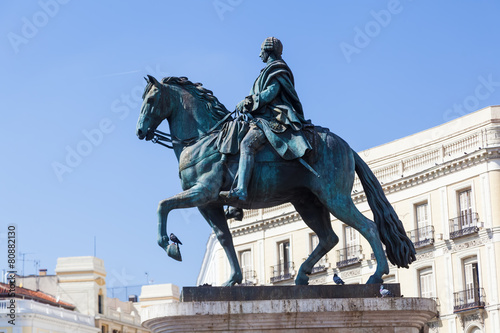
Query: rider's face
[[264, 55]]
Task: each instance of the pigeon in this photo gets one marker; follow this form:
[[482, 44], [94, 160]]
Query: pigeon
[[337, 279], [174, 239], [385, 292]]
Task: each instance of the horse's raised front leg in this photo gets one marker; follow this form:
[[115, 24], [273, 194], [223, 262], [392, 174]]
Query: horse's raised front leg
[[317, 217], [197, 195], [216, 217]]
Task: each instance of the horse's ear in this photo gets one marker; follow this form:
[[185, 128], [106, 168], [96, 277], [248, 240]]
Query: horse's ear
[[153, 80]]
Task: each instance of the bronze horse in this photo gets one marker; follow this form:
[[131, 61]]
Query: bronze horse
[[196, 117]]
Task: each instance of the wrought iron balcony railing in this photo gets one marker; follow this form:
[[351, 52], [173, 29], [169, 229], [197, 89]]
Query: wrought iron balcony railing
[[249, 277], [422, 236], [465, 224], [372, 256], [469, 299], [282, 271], [321, 265], [349, 256]]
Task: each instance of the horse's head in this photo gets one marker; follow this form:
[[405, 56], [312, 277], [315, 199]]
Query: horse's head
[[153, 109], [191, 109]]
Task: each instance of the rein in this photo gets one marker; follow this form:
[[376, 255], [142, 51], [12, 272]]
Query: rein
[[160, 136]]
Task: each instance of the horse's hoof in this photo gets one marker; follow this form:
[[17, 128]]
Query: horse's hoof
[[301, 281], [235, 279], [230, 283], [374, 280]]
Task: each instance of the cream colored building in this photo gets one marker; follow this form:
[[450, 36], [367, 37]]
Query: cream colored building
[[155, 294], [27, 311], [81, 281], [444, 183]]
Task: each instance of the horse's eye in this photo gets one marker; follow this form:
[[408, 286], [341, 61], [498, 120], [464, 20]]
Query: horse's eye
[[151, 100]]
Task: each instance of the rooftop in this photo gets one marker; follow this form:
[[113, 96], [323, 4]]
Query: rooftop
[[37, 296]]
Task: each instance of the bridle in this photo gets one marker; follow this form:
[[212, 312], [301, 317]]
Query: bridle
[[160, 136]]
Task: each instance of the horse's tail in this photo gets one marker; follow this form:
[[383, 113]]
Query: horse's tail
[[399, 248]]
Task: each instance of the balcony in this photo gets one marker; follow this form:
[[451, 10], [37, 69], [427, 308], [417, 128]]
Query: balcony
[[463, 225], [422, 237], [321, 265], [249, 277], [282, 271], [350, 255], [469, 299]]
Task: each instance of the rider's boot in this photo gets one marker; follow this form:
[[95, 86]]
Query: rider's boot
[[234, 213]]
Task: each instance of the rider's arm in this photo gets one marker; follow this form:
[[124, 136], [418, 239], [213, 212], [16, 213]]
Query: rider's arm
[[265, 96]]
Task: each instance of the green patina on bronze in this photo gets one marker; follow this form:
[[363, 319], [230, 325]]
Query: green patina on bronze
[[205, 139]]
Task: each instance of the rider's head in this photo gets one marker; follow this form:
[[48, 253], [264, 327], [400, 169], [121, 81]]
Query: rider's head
[[271, 45]]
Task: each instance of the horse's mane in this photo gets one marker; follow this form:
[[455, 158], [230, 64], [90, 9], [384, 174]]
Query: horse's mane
[[216, 108]]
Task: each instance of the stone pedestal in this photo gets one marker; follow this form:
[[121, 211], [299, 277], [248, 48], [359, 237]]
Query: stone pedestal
[[301, 314]]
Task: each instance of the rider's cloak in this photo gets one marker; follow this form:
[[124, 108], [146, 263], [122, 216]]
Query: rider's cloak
[[278, 112]]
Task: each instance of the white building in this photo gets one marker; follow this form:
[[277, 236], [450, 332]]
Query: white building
[[37, 312], [444, 183], [81, 281]]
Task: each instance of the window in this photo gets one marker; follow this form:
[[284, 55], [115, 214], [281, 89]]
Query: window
[[321, 265], [246, 265], [472, 296], [313, 241], [465, 208], [284, 257], [426, 282], [467, 221], [283, 270], [422, 221], [471, 279], [351, 237], [351, 240], [423, 234], [351, 253], [100, 302]]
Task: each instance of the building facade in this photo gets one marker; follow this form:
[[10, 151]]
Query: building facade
[[81, 282], [27, 311], [444, 183]]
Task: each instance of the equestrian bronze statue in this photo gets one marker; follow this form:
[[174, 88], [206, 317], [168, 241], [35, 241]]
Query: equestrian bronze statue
[[266, 156]]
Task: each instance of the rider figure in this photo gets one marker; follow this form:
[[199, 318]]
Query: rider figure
[[275, 114]]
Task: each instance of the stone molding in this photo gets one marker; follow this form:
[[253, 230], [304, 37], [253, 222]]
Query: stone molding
[[432, 173], [465, 245], [426, 255], [293, 315]]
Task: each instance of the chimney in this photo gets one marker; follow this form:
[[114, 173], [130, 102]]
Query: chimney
[[42, 272]]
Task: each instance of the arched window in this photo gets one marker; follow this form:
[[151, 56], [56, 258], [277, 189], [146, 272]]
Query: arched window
[[474, 329]]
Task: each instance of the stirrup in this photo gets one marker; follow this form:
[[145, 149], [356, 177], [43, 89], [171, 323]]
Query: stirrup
[[234, 194]]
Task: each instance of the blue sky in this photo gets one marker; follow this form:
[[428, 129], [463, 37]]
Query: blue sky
[[72, 72]]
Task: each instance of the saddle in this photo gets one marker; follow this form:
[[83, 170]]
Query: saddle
[[227, 141]]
